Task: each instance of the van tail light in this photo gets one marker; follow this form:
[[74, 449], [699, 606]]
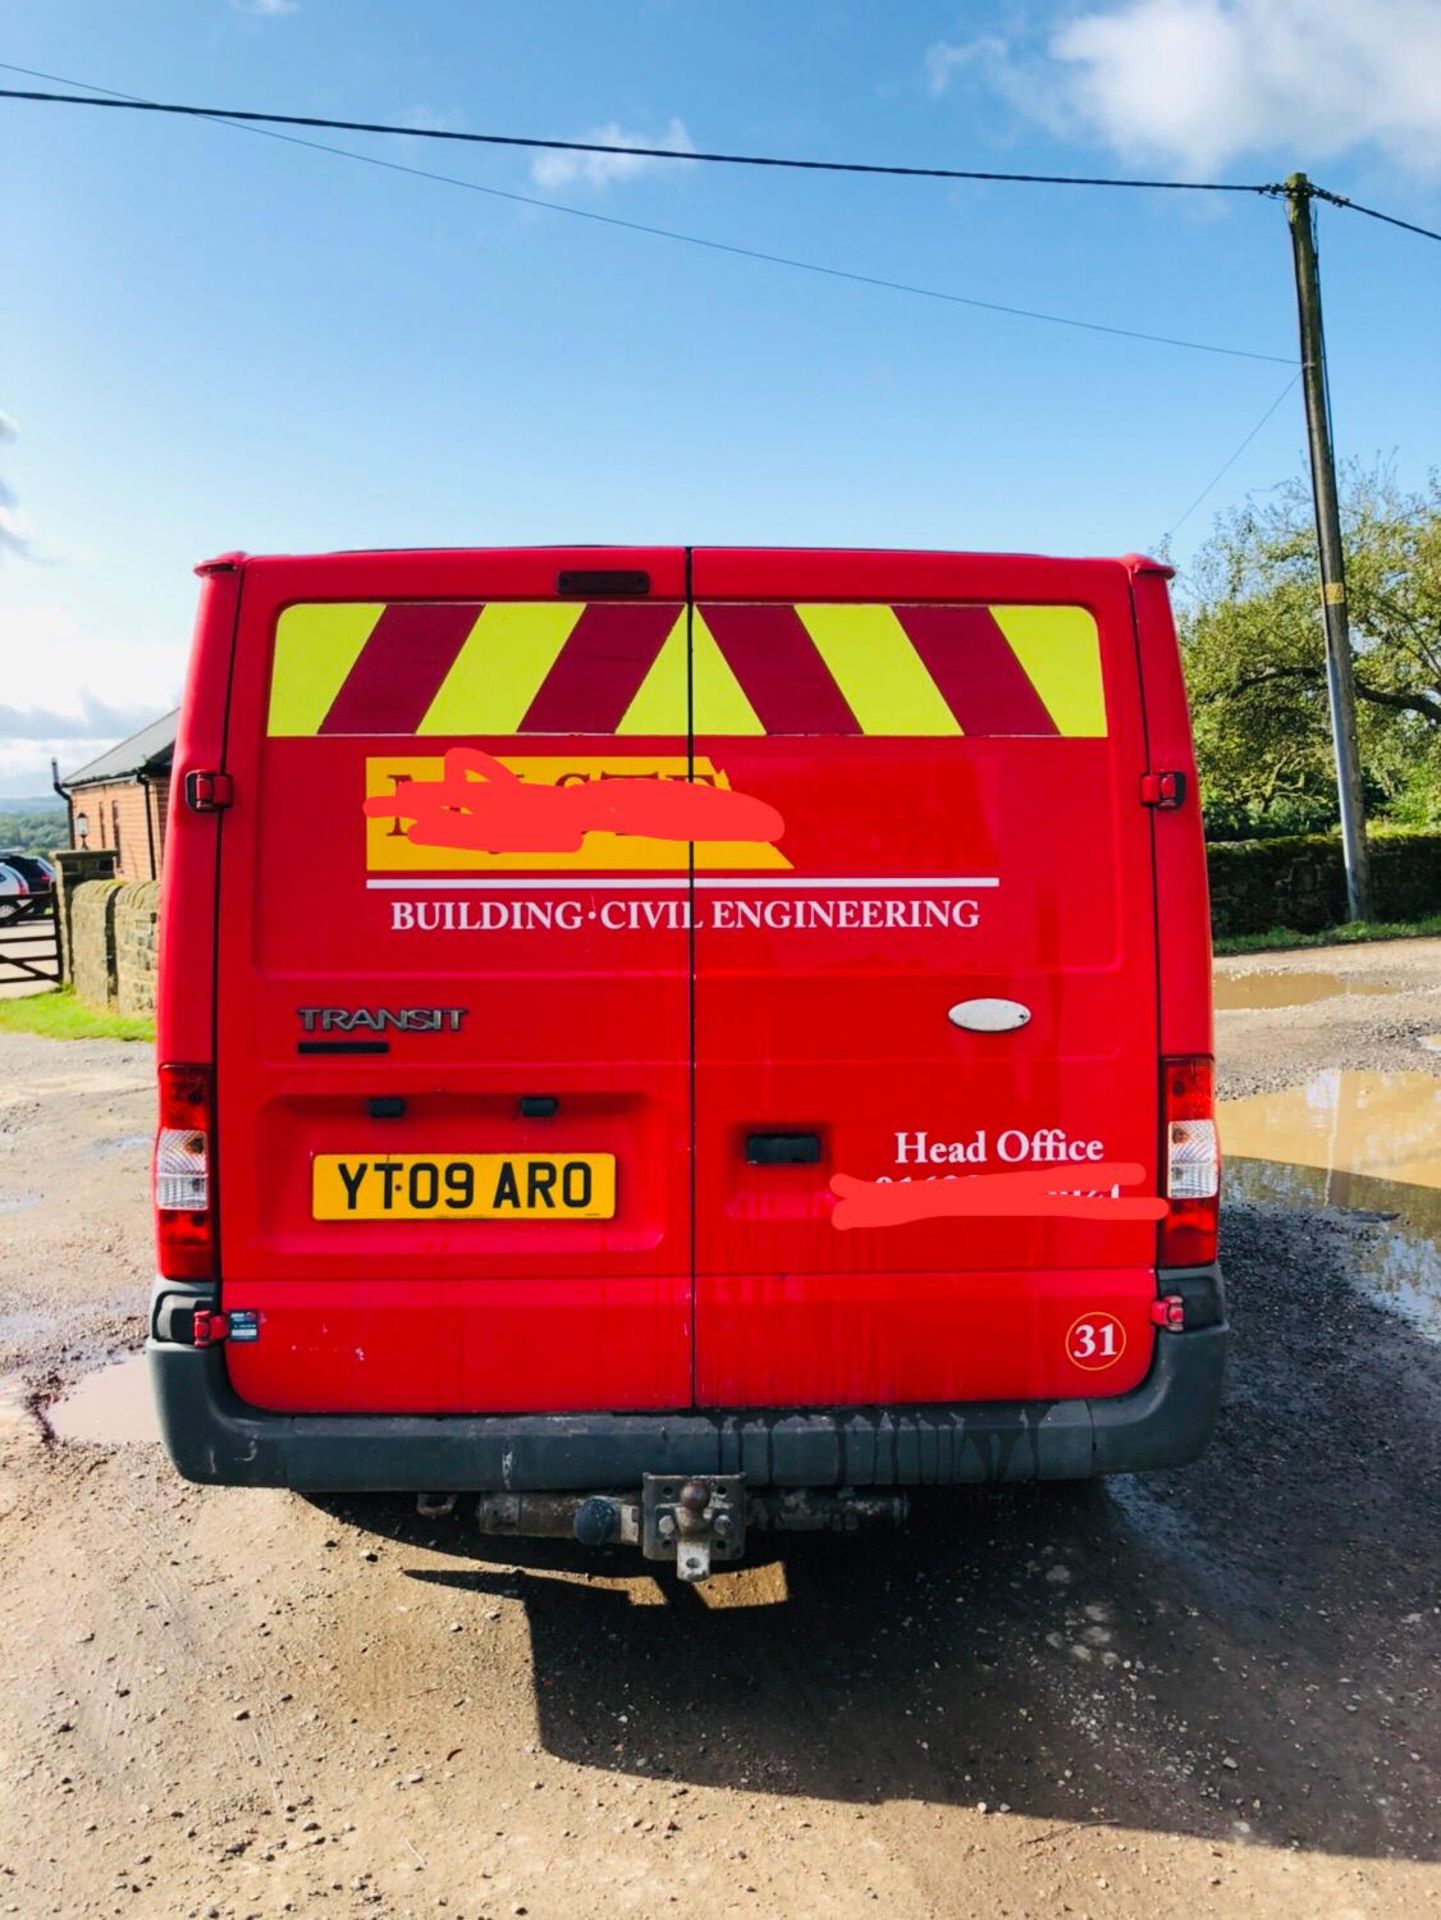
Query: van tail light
[[184, 1202], [1192, 1161]]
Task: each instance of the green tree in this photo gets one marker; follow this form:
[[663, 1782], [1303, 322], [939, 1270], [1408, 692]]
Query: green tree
[[1255, 656], [33, 832]]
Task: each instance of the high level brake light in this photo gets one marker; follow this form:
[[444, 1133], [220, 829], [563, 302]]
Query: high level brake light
[[184, 1216], [1193, 1163]]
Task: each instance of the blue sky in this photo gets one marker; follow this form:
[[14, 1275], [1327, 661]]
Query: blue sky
[[211, 340]]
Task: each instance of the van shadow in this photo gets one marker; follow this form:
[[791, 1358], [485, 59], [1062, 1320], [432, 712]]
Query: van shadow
[[1238, 1650]]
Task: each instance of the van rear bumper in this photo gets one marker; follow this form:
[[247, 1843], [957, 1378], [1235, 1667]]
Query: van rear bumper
[[214, 1437]]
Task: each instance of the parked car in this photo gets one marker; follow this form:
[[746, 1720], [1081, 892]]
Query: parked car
[[14, 889], [33, 868]]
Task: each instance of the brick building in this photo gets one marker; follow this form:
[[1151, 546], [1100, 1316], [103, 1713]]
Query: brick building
[[119, 801]]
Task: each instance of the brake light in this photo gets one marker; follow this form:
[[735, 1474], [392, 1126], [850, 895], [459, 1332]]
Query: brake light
[[1192, 1160], [184, 1215]]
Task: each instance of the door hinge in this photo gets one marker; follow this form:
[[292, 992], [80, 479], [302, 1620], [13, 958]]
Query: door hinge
[[1164, 790], [207, 791]]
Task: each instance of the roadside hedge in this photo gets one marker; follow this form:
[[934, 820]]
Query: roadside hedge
[[1300, 881]]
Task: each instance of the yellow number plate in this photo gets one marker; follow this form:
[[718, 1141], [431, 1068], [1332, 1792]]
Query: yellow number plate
[[463, 1186]]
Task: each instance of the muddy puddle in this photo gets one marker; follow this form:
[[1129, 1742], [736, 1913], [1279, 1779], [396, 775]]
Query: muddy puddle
[[1384, 1125], [1234, 991], [1368, 1143], [110, 1408]]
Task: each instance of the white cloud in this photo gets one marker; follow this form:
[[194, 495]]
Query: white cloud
[[25, 759], [72, 689], [14, 533], [947, 58], [269, 9], [1199, 83], [96, 720], [600, 170], [25, 764]]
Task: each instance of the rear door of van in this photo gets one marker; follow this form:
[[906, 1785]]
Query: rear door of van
[[951, 982], [453, 1084]]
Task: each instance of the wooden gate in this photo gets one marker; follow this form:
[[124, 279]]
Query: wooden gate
[[29, 943]]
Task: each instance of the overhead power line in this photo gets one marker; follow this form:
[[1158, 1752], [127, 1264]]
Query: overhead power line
[[713, 246], [1372, 213], [1219, 475], [237, 114]]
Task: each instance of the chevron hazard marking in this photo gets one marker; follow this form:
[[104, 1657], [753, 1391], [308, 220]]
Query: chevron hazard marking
[[510, 650], [878, 670], [315, 649], [1060, 652], [469, 671], [400, 668], [980, 678], [599, 671]]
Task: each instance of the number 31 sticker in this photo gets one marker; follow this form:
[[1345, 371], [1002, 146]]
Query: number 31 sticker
[[1096, 1340]]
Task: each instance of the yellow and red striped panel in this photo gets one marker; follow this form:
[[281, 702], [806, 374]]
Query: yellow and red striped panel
[[611, 667]]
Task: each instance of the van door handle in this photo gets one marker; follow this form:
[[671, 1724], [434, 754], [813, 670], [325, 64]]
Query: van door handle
[[989, 1016], [783, 1149]]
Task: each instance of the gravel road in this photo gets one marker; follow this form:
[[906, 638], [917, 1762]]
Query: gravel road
[[1214, 1689]]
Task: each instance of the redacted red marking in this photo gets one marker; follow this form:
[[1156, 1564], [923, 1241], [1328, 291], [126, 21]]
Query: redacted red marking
[[1029, 1194], [480, 806]]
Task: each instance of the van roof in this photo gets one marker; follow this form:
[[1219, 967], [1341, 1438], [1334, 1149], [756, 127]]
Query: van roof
[[1132, 563]]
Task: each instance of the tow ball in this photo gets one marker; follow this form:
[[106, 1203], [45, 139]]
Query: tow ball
[[693, 1521]]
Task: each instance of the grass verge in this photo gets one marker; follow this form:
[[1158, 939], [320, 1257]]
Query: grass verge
[[1279, 938], [60, 1016]]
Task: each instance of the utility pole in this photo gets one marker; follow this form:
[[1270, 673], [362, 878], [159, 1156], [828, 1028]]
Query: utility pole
[[1340, 678]]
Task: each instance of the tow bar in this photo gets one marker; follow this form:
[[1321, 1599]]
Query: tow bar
[[694, 1521]]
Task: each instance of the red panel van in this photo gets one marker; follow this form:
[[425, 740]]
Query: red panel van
[[673, 1040]]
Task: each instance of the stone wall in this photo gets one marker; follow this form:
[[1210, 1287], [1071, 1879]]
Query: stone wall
[[137, 912], [110, 947], [92, 941], [74, 866], [1299, 882]]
